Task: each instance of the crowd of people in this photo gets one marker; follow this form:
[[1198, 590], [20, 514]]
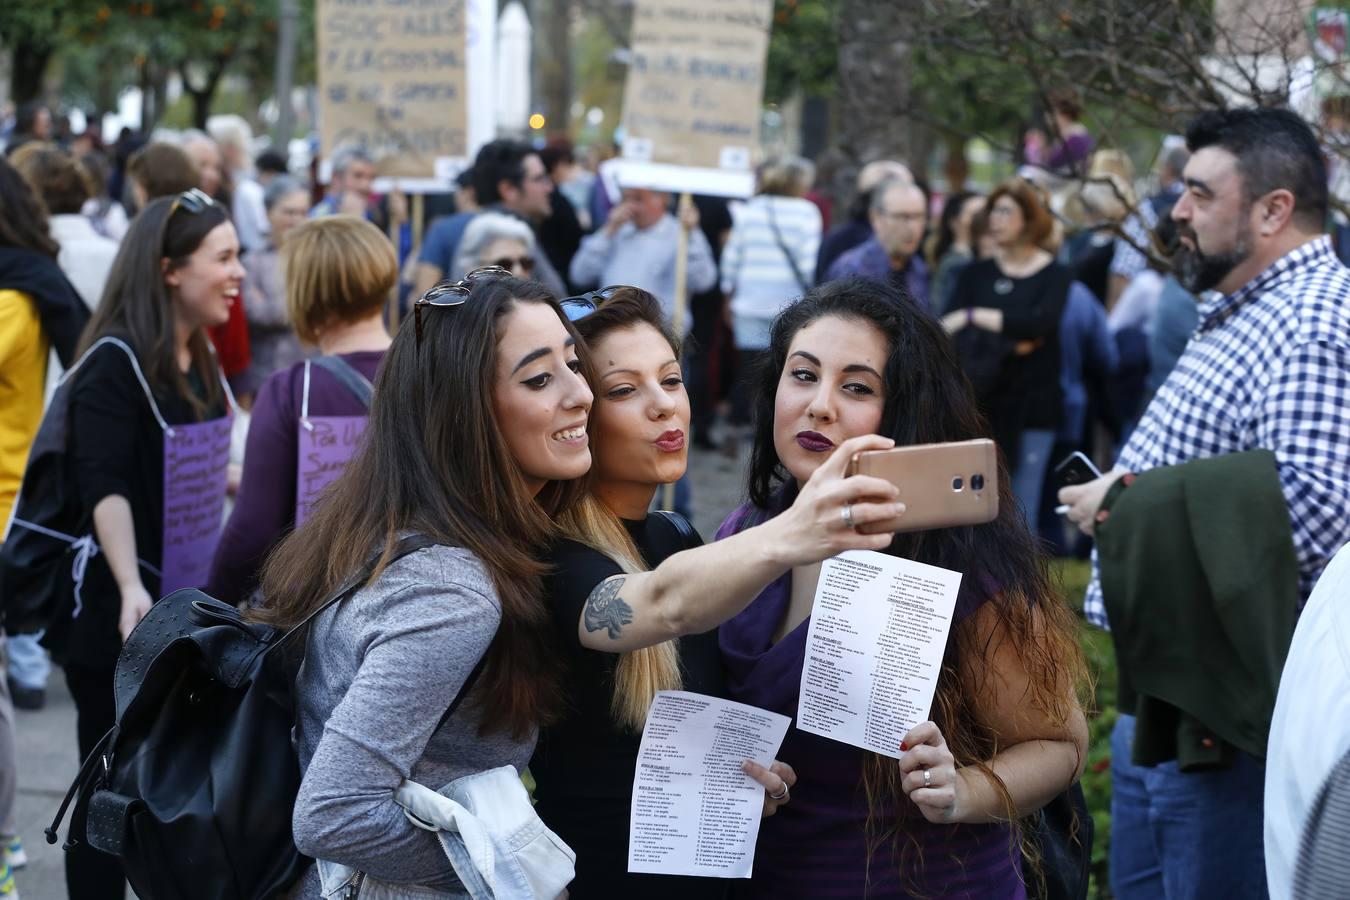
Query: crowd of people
[[1194, 341]]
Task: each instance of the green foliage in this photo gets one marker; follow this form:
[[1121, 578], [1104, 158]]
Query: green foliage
[[1073, 577], [803, 50]]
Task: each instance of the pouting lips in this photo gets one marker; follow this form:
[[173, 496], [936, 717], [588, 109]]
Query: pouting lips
[[814, 441], [671, 442]]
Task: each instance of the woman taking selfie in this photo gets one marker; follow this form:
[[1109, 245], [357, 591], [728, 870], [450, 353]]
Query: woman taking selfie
[[152, 382], [616, 622], [477, 434], [1007, 734], [339, 272]]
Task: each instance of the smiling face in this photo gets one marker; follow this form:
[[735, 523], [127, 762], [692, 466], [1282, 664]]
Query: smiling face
[[830, 390], [1214, 226], [205, 287], [641, 419], [539, 396]]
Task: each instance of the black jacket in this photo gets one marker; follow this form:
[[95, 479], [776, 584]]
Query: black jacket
[[60, 309]]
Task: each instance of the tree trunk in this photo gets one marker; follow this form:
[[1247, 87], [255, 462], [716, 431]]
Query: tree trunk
[[553, 62], [874, 86], [956, 167], [27, 66], [203, 97]]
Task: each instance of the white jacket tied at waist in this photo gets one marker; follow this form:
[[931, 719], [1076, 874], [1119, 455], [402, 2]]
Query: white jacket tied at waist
[[498, 845]]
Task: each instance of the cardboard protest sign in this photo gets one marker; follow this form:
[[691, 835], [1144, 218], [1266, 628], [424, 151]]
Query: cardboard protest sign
[[393, 79], [691, 105], [327, 444], [196, 462]]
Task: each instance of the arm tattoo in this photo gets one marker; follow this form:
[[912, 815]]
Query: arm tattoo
[[605, 609]]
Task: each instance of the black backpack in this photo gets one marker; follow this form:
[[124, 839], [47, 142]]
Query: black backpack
[[195, 785]]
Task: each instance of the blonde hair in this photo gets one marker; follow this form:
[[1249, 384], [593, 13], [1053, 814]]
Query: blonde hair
[[786, 176], [338, 269], [639, 673]]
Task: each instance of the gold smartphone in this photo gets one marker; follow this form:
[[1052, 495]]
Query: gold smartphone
[[941, 485]]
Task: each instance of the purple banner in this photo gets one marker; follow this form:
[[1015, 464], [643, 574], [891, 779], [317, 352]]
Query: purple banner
[[196, 460], [327, 444]]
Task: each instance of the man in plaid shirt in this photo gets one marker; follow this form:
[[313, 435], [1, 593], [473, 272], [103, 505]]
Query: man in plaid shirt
[[1268, 367]]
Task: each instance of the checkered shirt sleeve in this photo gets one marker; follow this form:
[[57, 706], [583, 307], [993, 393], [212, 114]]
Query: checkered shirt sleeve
[[1268, 368]]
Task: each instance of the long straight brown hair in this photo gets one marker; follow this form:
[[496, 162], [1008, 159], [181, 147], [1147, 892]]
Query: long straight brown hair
[[433, 460], [138, 306]]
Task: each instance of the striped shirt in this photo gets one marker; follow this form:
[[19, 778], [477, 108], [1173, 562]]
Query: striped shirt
[[758, 267], [1323, 869], [1267, 368]]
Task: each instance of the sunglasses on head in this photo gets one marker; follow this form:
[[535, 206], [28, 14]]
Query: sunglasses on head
[[191, 201], [453, 293], [525, 263], [582, 305]]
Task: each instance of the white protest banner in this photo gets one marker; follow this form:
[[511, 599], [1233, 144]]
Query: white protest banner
[[394, 80], [692, 101]]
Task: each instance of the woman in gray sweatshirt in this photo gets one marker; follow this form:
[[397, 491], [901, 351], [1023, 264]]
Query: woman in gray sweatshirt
[[476, 436]]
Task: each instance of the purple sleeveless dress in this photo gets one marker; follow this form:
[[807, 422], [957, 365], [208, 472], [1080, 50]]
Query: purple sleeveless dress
[[816, 846]]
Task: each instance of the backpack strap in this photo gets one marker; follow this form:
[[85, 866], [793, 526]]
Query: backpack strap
[[686, 531], [357, 385], [782, 245], [135, 366], [463, 690], [407, 545]]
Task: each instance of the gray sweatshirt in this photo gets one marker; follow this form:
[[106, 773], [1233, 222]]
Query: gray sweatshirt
[[380, 670]]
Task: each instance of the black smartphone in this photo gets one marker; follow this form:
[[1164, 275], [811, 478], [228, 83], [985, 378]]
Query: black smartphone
[[1075, 469]]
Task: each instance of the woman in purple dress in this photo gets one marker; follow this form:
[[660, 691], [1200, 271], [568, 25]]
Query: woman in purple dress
[[1007, 732]]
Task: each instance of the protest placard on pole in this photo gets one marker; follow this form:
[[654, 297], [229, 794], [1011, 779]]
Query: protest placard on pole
[[405, 82], [692, 100]]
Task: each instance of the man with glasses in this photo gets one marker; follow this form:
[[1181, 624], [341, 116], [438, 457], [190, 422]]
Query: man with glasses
[[508, 177], [899, 217]]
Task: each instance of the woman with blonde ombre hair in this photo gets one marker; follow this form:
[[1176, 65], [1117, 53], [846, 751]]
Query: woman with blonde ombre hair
[[624, 632], [338, 272]]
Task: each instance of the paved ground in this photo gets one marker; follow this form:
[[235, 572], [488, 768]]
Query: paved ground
[[47, 755], [47, 763]]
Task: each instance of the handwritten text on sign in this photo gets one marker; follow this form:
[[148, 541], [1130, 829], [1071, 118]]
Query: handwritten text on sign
[[325, 449], [696, 82], [196, 462], [392, 80]]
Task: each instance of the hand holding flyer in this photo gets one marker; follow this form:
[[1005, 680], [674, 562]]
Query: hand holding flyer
[[874, 648], [694, 811]]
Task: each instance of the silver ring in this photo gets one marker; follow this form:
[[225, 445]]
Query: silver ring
[[781, 795], [927, 777], [848, 515]]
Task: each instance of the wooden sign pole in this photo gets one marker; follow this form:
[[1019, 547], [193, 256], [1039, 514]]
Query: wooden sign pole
[[681, 300]]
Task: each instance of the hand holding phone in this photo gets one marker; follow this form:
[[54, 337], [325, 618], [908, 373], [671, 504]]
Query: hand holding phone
[[941, 485], [1072, 470]]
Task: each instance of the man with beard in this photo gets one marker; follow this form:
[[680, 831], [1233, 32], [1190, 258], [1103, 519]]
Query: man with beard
[[1267, 368]]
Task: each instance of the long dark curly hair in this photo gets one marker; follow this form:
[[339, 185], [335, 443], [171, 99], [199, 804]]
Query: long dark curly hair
[[927, 400]]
